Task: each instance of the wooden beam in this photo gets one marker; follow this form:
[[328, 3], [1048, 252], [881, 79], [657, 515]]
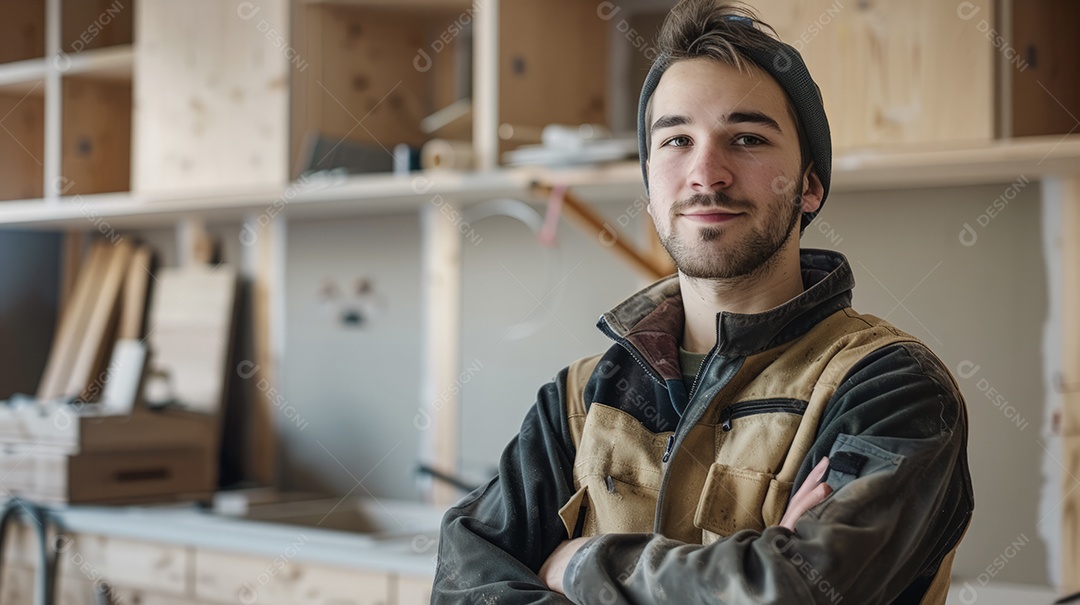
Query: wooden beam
[[439, 415], [592, 222], [486, 73], [1069, 190]]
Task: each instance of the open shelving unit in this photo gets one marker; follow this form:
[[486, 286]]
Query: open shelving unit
[[79, 115], [354, 196], [65, 94]]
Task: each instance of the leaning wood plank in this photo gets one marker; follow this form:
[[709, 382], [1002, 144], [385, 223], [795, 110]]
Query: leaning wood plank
[[72, 255], [191, 318], [89, 352], [68, 332], [135, 286]]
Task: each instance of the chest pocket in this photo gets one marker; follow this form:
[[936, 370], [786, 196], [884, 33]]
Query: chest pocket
[[741, 489], [617, 472]]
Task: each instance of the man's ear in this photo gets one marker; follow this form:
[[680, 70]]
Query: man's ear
[[812, 190], [648, 206]]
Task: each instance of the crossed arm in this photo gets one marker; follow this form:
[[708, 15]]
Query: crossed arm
[[811, 493], [870, 538]]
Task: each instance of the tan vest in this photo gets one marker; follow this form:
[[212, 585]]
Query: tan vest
[[729, 474]]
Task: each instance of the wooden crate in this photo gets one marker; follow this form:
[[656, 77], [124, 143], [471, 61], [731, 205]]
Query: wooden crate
[[64, 457]]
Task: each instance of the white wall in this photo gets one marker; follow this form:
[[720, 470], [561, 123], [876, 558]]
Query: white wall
[[984, 304], [357, 389]]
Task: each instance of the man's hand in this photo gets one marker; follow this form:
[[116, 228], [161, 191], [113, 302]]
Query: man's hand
[[551, 572], [811, 493]]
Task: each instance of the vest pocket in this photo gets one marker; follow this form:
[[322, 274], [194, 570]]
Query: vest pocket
[[776, 501], [572, 511], [733, 499]]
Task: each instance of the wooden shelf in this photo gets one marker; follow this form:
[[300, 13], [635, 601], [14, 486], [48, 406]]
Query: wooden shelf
[[22, 77], [331, 197], [109, 63]]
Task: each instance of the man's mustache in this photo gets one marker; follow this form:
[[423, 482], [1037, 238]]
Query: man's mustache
[[719, 199]]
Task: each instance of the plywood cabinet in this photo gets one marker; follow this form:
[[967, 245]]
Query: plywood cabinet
[[150, 573]]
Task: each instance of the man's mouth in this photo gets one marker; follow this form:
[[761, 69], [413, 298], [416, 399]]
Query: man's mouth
[[710, 216]]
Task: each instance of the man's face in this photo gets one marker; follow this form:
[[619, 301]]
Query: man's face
[[725, 188]]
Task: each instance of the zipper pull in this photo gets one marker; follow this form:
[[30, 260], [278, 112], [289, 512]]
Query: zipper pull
[[725, 417], [670, 444]]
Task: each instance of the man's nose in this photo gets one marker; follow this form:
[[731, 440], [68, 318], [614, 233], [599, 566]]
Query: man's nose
[[709, 170]]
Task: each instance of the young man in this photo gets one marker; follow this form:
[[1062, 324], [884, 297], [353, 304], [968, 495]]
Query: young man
[[748, 438]]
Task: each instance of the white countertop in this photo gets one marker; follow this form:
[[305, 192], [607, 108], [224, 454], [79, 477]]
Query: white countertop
[[409, 549]]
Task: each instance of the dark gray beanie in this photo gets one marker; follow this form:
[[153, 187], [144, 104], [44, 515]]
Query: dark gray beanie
[[785, 64]]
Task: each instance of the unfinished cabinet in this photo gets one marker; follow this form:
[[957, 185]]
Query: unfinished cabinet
[[891, 73], [65, 94], [211, 95]]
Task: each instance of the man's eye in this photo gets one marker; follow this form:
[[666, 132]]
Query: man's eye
[[679, 141], [748, 140]]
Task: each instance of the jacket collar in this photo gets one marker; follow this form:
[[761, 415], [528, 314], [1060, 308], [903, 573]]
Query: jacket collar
[[651, 321]]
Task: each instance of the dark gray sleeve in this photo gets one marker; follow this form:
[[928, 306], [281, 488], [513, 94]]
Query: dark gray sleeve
[[902, 499], [493, 542]]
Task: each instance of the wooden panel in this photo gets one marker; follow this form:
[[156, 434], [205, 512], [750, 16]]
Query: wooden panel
[[894, 72], [22, 145], [90, 24], [64, 429], [190, 331], [366, 79], [545, 80], [35, 474], [147, 475], [24, 30], [16, 585], [94, 341], [161, 568], [211, 95], [1070, 319], [96, 153], [413, 590], [124, 596], [1045, 87], [72, 323], [227, 578], [1070, 379], [1070, 511], [19, 583]]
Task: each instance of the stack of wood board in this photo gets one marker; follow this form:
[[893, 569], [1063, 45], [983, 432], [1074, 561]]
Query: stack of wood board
[[62, 448]]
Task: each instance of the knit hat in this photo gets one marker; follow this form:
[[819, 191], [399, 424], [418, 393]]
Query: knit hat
[[785, 64]]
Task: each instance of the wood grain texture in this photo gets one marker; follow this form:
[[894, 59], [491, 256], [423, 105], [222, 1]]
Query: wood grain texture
[[894, 72], [373, 73], [133, 310], [228, 578], [25, 22], [94, 343], [211, 95], [1070, 379], [412, 590], [1044, 85], [552, 63], [22, 146], [90, 24], [190, 330], [72, 323], [96, 139]]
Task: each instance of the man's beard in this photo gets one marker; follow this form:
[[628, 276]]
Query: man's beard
[[695, 258]]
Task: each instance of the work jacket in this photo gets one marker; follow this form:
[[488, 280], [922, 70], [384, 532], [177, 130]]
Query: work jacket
[[684, 489]]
